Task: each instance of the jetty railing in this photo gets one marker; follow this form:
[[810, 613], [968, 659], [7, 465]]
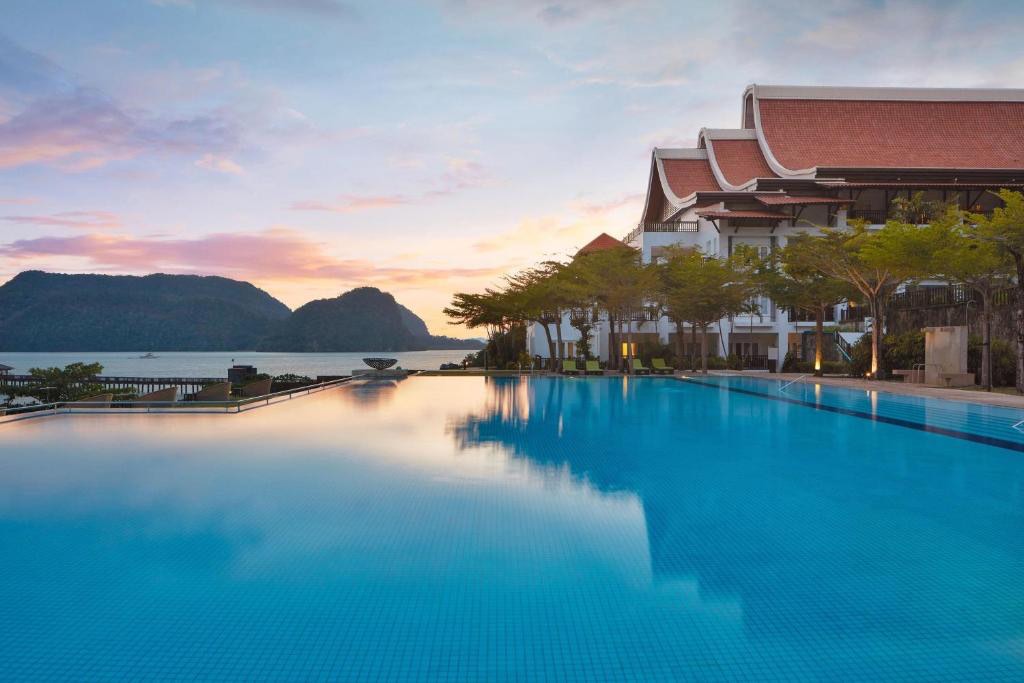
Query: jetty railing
[[177, 407], [188, 385]]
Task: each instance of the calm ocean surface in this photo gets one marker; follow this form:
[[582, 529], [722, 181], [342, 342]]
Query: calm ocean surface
[[216, 363]]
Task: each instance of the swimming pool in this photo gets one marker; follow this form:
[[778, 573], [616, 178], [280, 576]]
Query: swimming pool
[[471, 528]]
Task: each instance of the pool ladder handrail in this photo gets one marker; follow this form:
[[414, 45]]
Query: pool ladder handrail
[[792, 382]]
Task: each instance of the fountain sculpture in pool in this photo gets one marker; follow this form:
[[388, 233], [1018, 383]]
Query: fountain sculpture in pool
[[380, 363]]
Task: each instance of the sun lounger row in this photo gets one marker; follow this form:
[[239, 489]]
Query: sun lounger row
[[592, 367], [658, 367]]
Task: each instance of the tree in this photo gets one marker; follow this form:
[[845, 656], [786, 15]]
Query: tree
[[702, 290], [874, 262], [1005, 229], [621, 285], [491, 310], [917, 210], [535, 296], [794, 281], [578, 301], [71, 382], [961, 255]]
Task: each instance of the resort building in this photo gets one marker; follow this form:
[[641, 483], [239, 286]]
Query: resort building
[[804, 157]]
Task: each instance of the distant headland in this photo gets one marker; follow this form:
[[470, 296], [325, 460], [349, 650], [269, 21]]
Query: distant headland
[[55, 312]]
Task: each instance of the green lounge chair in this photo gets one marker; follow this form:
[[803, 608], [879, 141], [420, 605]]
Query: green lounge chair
[[569, 367], [659, 367], [594, 368], [639, 368]]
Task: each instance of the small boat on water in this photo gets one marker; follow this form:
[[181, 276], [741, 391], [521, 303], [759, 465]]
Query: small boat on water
[[148, 355]]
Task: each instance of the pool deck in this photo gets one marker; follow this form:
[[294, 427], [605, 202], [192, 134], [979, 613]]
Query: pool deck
[[965, 395]]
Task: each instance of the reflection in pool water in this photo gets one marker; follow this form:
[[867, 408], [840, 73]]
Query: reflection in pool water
[[476, 529]]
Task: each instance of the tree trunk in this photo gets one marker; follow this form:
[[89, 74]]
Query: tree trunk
[[876, 334], [1018, 260], [612, 341], [693, 346], [986, 341], [819, 340], [629, 344], [679, 344], [704, 349], [558, 336], [551, 345]]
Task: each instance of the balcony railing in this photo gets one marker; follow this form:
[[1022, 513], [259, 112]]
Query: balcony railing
[[950, 295], [800, 315], [872, 216], [757, 362], [675, 226]]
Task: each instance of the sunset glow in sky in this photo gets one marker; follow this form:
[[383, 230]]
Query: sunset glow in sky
[[311, 146]]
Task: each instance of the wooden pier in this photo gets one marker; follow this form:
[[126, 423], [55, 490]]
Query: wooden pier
[[141, 385]]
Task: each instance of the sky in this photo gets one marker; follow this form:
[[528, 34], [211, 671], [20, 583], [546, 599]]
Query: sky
[[313, 146]]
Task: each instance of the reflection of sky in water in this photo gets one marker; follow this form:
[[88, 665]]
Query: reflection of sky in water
[[493, 528]]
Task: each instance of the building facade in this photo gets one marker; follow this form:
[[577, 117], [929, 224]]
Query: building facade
[[805, 157]]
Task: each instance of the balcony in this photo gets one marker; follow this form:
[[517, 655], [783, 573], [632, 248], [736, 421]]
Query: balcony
[[675, 226], [764, 317], [800, 315], [872, 216]]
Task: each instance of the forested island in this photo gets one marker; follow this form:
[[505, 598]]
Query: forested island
[[56, 312]]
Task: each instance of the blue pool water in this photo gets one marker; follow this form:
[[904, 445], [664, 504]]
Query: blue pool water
[[474, 529]]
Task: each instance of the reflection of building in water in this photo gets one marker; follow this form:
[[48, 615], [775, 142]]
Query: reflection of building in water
[[824, 526]]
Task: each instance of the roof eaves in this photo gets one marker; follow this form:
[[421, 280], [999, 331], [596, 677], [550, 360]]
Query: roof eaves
[[769, 156], [886, 94]]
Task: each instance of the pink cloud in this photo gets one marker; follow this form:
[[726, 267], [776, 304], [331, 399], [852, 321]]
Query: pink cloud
[[459, 174], [606, 207], [85, 129], [213, 162], [352, 203], [278, 254], [93, 220]]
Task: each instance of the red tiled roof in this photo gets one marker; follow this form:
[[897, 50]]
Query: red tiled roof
[[740, 160], [808, 133], [916, 184], [600, 243], [772, 215], [786, 200], [686, 176]]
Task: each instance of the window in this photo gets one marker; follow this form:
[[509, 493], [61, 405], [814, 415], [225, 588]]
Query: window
[[625, 349], [745, 349]]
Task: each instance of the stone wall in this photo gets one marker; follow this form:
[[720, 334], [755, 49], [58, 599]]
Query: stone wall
[[908, 319]]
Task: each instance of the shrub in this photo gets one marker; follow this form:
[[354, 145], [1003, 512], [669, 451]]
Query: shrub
[[860, 356], [834, 367], [1004, 361], [790, 363], [734, 362], [902, 351], [647, 350]]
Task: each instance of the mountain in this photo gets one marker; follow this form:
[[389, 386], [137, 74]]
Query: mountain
[[363, 319], [53, 312]]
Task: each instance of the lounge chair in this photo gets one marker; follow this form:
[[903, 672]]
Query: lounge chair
[[569, 367], [594, 368], [659, 367], [260, 387], [638, 368], [156, 399], [221, 391]]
